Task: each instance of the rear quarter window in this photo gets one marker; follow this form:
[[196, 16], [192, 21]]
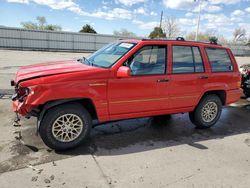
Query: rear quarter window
[[219, 60]]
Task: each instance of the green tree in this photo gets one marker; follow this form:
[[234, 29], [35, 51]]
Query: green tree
[[52, 27], [41, 24], [87, 29], [157, 33]]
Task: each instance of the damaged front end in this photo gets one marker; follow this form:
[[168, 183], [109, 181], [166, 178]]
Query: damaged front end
[[19, 98], [21, 103]]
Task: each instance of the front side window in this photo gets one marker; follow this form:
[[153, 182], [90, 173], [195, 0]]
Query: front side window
[[219, 60], [109, 54], [148, 60], [187, 59]]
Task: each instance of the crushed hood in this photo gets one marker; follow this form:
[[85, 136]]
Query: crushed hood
[[50, 68]]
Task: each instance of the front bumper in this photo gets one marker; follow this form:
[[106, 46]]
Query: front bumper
[[19, 108]]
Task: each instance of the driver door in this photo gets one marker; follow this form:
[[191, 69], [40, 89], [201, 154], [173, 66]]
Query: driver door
[[145, 90]]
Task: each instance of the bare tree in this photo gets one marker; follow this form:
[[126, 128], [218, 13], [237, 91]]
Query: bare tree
[[170, 27], [41, 24], [124, 32], [239, 34]]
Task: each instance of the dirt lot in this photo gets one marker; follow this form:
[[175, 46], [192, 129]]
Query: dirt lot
[[131, 153]]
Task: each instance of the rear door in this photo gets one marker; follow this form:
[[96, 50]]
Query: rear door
[[187, 76], [224, 72]]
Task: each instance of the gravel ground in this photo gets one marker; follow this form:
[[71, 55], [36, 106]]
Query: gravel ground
[[131, 153]]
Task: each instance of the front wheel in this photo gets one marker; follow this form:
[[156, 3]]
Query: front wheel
[[65, 126], [207, 113]]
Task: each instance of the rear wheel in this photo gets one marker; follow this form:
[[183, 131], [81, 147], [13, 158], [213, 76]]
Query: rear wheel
[[207, 113], [65, 126]]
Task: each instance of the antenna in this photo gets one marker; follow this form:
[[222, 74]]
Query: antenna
[[161, 19]]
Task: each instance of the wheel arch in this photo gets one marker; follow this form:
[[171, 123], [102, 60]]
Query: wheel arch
[[220, 93], [85, 102]]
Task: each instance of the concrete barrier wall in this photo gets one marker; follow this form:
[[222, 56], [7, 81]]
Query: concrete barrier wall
[[23, 39], [16, 38]]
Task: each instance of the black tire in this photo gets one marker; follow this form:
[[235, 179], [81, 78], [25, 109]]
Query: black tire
[[247, 93], [51, 116], [196, 116]]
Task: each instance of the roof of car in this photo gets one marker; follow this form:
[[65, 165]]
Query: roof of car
[[178, 39]]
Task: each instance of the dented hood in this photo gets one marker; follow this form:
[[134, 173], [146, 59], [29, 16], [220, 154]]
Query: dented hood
[[50, 68]]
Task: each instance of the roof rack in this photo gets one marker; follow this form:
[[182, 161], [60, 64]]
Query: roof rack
[[180, 39], [170, 38], [213, 42]]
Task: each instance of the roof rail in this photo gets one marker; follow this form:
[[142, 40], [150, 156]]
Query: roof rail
[[213, 42], [180, 39], [170, 38]]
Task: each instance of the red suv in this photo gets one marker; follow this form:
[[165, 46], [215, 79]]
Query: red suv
[[127, 79]]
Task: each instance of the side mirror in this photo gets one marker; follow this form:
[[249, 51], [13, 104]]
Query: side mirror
[[123, 72]]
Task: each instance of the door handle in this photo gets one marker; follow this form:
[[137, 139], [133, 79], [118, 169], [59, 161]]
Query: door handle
[[203, 77], [163, 80]]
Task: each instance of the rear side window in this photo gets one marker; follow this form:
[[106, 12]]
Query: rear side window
[[219, 60], [187, 59]]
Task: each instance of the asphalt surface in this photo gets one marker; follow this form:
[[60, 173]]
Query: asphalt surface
[[146, 152]]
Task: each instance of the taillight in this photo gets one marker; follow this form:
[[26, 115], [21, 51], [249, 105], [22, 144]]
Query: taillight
[[239, 84]]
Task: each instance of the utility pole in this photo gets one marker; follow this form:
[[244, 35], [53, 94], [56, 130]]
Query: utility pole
[[161, 19], [198, 21]]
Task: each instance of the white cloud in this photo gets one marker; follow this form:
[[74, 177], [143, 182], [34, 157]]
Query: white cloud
[[212, 8], [152, 13], [145, 25], [130, 2], [140, 10], [116, 13], [217, 19], [105, 7], [247, 9], [18, 1], [237, 13], [179, 4], [225, 1], [53, 4], [189, 14], [187, 21], [191, 5], [104, 2], [57, 4]]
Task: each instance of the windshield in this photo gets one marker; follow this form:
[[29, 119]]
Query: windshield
[[109, 54]]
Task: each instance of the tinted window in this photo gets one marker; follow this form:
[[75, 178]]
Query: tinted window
[[187, 59], [219, 60], [198, 60], [148, 60]]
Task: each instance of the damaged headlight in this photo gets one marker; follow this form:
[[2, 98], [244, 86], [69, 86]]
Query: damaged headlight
[[21, 93]]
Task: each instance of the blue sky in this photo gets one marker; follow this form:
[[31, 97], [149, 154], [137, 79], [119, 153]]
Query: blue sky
[[138, 16]]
